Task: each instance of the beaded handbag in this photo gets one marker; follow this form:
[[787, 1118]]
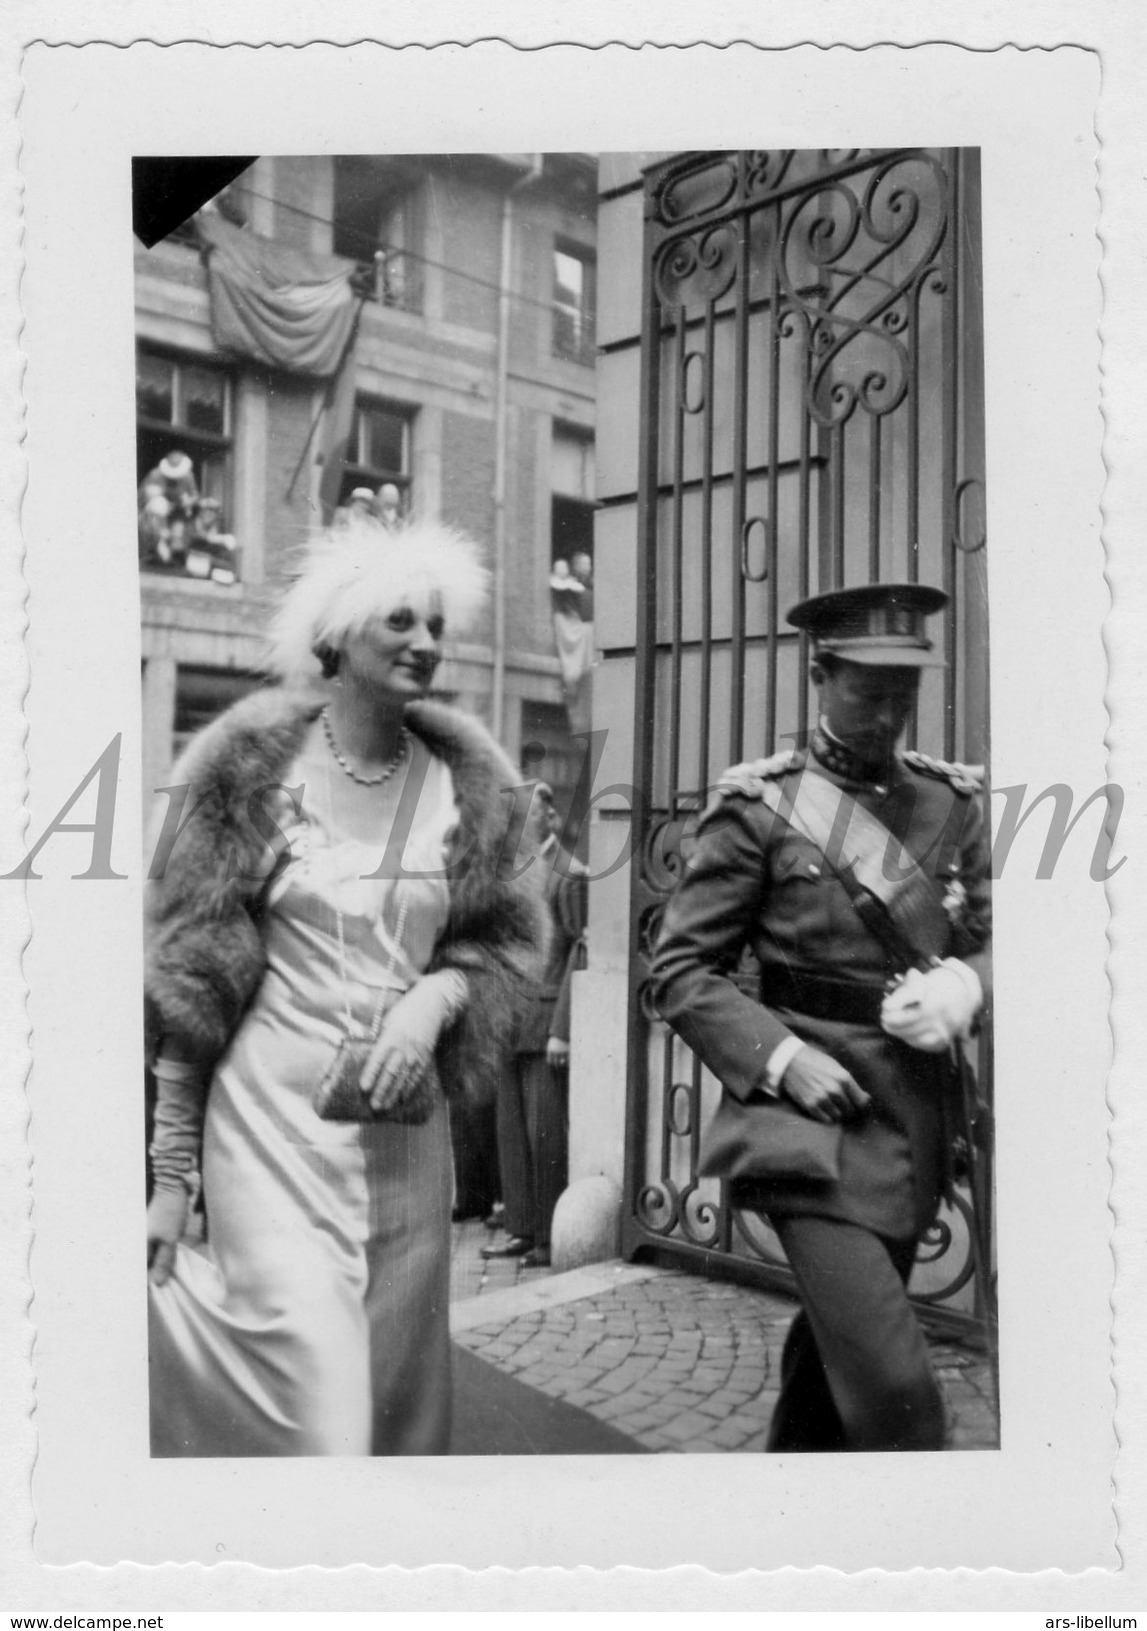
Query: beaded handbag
[[339, 1095]]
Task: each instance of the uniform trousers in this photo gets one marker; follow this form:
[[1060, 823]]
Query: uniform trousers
[[533, 1144], [475, 1144], [855, 1373]]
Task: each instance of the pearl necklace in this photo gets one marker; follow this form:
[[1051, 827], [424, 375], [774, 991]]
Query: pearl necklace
[[384, 774]]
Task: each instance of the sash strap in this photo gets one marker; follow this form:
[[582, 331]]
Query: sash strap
[[891, 892]]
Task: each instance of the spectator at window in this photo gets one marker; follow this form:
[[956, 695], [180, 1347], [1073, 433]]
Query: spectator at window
[[583, 571], [211, 552], [389, 505], [571, 599], [168, 496]]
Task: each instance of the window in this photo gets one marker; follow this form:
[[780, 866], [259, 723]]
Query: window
[[572, 487], [378, 219], [379, 450], [399, 277], [183, 466], [575, 302], [201, 695], [571, 528]]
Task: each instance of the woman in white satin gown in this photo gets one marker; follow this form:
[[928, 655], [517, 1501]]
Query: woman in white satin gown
[[314, 1320]]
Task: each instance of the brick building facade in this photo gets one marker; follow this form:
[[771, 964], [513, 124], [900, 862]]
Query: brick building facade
[[474, 379]]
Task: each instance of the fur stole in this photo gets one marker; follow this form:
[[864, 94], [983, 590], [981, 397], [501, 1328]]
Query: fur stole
[[204, 955]]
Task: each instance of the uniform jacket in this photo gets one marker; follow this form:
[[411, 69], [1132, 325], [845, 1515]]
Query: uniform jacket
[[547, 1013], [204, 956], [753, 882]]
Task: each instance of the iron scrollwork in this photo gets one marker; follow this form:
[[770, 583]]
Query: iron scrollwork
[[834, 272], [940, 1243], [702, 184], [854, 264], [661, 858], [668, 843], [766, 169], [700, 1217], [658, 1206], [698, 268], [665, 1210]]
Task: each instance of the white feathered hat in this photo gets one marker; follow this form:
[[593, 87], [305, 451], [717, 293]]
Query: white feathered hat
[[361, 571]]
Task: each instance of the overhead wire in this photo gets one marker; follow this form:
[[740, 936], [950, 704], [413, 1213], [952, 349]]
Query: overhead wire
[[373, 245]]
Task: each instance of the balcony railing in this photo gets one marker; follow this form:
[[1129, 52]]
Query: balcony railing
[[393, 278]]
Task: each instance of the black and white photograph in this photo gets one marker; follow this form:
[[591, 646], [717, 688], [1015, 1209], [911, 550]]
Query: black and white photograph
[[367, 472], [569, 830]]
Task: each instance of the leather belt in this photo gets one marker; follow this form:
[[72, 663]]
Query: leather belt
[[819, 997]]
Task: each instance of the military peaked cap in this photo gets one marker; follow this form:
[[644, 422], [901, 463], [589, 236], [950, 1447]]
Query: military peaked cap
[[879, 624]]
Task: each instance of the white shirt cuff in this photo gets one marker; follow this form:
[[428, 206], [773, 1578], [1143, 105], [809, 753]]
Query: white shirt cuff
[[779, 1061]]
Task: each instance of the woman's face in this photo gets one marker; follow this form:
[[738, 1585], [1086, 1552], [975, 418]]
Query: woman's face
[[397, 652]]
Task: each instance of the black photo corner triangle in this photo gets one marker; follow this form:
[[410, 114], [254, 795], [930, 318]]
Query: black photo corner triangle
[[166, 192]]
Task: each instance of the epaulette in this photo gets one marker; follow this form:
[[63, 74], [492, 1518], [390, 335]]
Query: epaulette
[[748, 779], [966, 779]]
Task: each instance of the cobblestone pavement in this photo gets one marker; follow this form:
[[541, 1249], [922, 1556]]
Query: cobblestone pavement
[[471, 1275], [672, 1360]]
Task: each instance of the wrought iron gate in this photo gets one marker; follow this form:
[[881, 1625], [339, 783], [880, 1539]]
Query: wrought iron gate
[[811, 401]]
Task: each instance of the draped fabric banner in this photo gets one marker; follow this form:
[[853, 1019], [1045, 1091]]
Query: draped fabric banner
[[289, 308]]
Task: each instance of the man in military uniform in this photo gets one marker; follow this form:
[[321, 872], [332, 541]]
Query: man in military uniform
[[859, 878]]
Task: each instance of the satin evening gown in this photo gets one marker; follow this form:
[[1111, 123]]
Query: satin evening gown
[[314, 1321]]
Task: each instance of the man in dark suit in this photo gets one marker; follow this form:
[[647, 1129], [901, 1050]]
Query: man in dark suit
[[532, 1109], [851, 1029]]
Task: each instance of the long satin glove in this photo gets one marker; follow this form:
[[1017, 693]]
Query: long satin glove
[[174, 1162], [397, 1076], [932, 1008]]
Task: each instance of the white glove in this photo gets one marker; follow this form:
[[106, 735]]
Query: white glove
[[401, 1058], [557, 1052], [931, 1008], [174, 1161]]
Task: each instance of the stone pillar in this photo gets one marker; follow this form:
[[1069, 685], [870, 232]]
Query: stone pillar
[[249, 518], [587, 1220]]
